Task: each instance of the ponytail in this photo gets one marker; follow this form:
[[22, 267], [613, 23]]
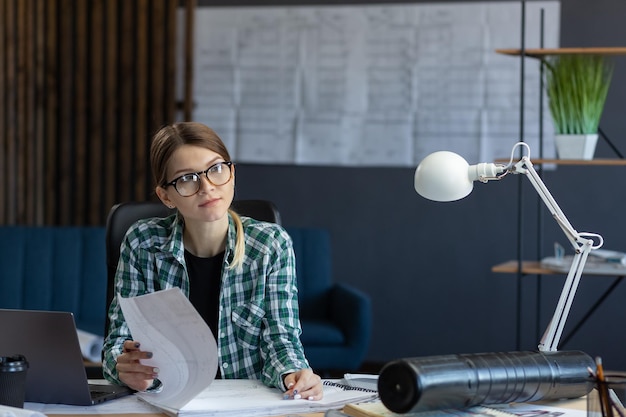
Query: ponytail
[[240, 244]]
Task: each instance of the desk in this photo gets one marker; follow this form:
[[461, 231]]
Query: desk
[[535, 268], [321, 414], [575, 404]]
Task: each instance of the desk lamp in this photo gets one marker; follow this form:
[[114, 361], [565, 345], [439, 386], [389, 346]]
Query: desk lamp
[[446, 176]]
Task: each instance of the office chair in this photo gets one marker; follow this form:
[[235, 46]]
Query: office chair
[[123, 215]]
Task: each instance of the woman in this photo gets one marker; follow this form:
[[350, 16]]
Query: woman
[[239, 273]]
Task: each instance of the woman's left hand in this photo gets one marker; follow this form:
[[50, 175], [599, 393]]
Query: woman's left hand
[[304, 384]]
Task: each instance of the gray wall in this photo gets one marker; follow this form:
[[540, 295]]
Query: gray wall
[[427, 265]]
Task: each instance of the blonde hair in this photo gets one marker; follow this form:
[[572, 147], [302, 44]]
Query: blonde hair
[[240, 244], [171, 137]]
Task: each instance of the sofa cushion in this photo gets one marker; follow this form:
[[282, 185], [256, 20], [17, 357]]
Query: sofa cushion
[[55, 268]]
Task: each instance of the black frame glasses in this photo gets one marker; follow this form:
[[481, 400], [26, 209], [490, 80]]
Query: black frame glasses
[[194, 177]]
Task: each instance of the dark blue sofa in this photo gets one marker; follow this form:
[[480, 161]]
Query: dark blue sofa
[[63, 268]]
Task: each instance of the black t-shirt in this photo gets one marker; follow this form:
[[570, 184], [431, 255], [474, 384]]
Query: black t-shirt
[[205, 277]]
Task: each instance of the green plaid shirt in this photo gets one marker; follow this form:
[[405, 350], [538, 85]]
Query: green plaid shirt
[[259, 327]]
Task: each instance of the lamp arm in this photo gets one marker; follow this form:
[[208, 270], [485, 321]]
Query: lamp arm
[[552, 335], [525, 166], [582, 246]]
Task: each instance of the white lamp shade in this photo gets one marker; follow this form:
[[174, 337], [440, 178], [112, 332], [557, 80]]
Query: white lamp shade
[[443, 176]]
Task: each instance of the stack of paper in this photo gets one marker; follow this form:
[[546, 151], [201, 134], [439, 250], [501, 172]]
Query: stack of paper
[[243, 397]]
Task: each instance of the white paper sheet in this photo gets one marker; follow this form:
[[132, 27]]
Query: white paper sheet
[[544, 410], [126, 405], [184, 349], [6, 411]]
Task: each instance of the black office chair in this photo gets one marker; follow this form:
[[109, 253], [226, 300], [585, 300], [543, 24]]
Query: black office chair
[[123, 215]]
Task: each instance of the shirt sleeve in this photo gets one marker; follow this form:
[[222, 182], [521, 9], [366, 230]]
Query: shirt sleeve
[[128, 282], [146, 264], [281, 345]]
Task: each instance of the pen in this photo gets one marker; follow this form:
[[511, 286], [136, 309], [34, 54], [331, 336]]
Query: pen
[[605, 401]]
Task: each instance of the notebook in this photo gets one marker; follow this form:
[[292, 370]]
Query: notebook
[[56, 373]]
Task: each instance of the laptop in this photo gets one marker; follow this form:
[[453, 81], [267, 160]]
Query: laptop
[[56, 372]]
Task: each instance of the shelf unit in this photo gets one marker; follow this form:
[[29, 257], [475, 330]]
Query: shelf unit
[[521, 266]]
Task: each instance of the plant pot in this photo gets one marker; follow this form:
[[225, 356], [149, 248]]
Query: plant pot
[[576, 146]]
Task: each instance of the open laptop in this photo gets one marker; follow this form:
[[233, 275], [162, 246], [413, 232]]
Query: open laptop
[[56, 373]]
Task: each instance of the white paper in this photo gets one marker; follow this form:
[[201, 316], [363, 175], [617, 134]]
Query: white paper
[[184, 349], [130, 404], [6, 411], [90, 345], [554, 409]]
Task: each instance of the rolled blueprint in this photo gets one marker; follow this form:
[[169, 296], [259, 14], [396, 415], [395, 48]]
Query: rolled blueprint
[[458, 381], [90, 345]]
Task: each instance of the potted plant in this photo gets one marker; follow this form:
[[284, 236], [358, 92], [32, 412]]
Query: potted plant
[[577, 86]]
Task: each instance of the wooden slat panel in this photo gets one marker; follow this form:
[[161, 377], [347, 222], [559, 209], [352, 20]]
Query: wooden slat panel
[[110, 103], [158, 82], [51, 105], [84, 85], [125, 97], [158, 43], [39, 105], [4, 179], [21, 113], [142, 68], [30, 157], [81, 113], [96, 104], [66, 140], [170, 53], [188, 58], [11, 113], [24, 132]]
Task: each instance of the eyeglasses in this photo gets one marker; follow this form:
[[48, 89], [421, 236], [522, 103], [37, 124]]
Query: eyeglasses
[[189, 184]]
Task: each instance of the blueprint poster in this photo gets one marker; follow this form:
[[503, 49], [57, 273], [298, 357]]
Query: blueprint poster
[[370, 85]]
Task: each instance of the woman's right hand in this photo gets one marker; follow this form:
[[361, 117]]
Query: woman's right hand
[[130, 370]]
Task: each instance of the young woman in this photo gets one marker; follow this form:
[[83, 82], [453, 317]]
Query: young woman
[[239, 273]]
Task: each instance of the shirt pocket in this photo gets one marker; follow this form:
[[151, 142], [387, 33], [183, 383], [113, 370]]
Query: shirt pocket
[[247, 320]]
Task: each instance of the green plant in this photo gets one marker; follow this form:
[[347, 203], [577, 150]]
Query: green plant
[[577, 86]]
